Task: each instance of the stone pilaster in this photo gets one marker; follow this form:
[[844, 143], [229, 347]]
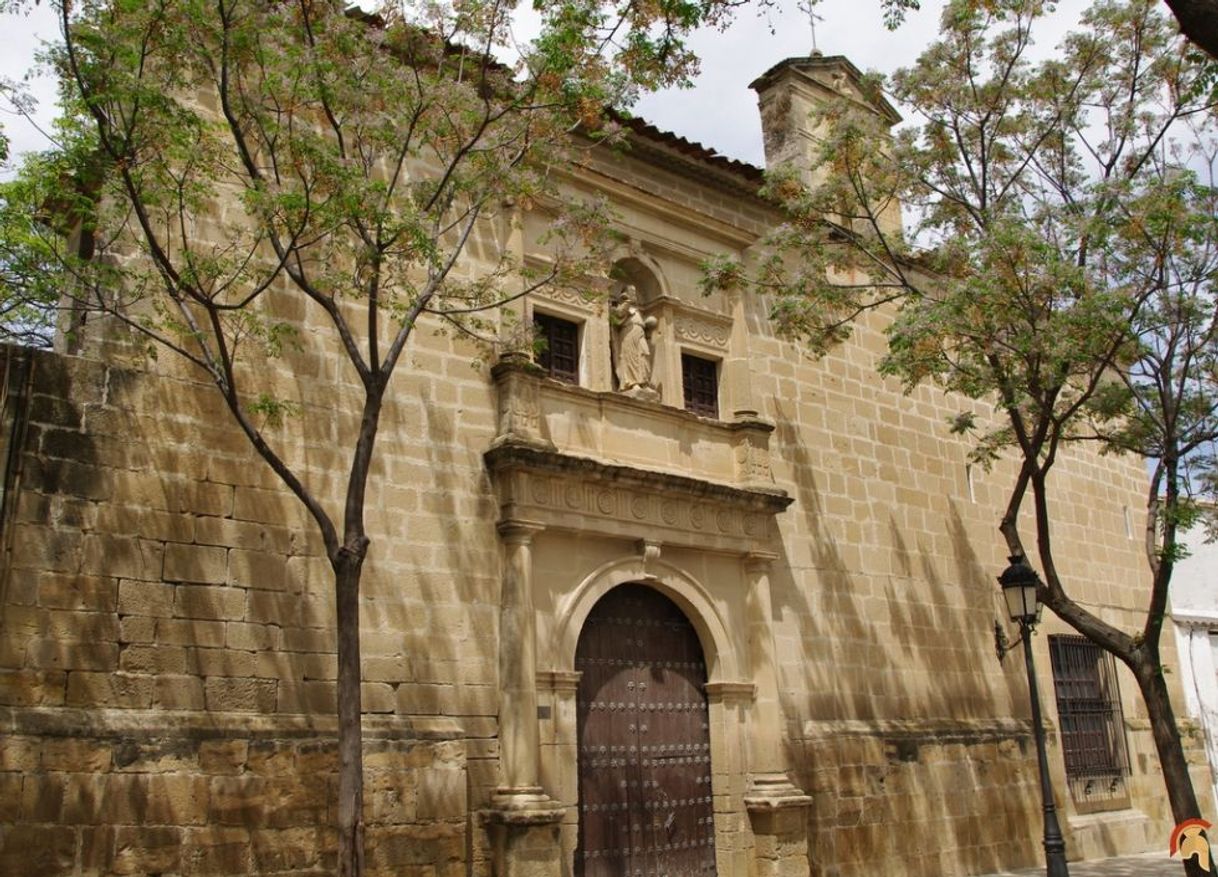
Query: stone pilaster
[[524, 820], [518, 729], [767, 767], [777, 807]]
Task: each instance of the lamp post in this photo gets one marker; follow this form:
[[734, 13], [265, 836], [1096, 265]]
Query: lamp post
[[1019, 583]]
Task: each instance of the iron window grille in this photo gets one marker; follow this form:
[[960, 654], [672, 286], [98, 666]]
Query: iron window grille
[[1092, 723], [557, 350], [700, 378]]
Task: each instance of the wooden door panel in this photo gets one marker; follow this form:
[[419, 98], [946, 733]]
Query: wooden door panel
[[644, 750]]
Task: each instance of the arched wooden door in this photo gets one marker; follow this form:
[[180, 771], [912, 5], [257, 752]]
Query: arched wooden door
[[645, 806]]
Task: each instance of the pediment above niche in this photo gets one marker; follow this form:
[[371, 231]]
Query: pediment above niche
[[563, 492]]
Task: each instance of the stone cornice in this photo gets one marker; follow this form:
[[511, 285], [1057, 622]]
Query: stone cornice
[[200, 725], [567, 492], [532, 458]]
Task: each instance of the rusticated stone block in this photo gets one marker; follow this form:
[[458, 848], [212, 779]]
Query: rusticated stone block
[[179, 693], [290, 849], [223, 756], [80, 755], [201, 564], [41, 548], [152, 658], [308, 697], [224, 662], [441, 794], [109, 690], [80, 592], [37, 850], [270, 758], [215, 602], [140, 754], [146, 850], [173, 631], [240, 694], [19, 753], [247, 637], [10, 798], [121, 556], [156, 799], [55, 654], [136, 629], [215, 851], [145, 598], [32, 687], [239, 800], [256, 569]]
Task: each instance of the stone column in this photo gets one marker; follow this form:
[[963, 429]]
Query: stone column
[[519, 738], [523, 819], [777, 808], [767, 766]]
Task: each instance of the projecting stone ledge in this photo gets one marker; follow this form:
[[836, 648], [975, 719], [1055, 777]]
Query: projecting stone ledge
[[628, 430], [566, 492]]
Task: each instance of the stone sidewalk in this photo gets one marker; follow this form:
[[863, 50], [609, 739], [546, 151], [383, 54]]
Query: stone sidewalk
[[1144, 865]]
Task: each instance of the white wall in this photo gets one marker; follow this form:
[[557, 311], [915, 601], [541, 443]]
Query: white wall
[[1194, 604]]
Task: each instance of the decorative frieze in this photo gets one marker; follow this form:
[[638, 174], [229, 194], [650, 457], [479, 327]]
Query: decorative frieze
[[575, 493], [703, 329]]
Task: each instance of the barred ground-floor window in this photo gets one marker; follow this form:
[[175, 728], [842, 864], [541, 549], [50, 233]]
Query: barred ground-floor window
[[1092, 724]]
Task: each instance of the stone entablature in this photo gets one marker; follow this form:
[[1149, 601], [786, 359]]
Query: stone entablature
[[577, 493]]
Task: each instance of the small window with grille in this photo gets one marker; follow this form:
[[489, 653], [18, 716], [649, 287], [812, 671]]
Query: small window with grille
[[1092, 725], [700, 377], [557, 347]]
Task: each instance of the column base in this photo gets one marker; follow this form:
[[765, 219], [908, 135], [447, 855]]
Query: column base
[[524, 830], [524, 804], [779, 817], [774, 791]]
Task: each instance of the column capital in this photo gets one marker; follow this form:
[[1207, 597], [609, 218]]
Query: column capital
[[518, 531], [559, 680], [730, 692], [759, 561]]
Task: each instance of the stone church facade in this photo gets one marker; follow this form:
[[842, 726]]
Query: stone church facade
[[735, 618]]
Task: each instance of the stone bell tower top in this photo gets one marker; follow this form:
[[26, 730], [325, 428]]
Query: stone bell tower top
[[791, 90]]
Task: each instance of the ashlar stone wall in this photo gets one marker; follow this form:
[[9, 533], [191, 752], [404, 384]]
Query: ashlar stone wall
[[167, 658]]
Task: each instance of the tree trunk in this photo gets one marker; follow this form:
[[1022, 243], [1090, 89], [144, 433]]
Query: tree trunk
[[347, 570], [1147, 670], [1198, 20]]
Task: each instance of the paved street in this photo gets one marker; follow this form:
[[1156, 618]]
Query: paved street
[[1146, 865]]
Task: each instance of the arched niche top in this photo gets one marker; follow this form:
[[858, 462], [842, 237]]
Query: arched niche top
[[722, 662], [644, 273]]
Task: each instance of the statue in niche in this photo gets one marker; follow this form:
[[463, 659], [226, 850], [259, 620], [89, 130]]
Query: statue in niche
[[632, 347]]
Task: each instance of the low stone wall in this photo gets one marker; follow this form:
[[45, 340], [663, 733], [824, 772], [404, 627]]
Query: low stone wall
[[134, 792], [945, 797]]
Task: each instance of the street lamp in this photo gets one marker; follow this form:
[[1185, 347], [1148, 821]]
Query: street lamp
[[1019, 583]]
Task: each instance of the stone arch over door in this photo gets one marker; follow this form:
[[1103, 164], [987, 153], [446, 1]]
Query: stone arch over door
[[729, 696], [645, 799], [718, 647]]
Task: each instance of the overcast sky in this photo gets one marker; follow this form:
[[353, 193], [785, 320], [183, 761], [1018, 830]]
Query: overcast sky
[[720, 111]]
